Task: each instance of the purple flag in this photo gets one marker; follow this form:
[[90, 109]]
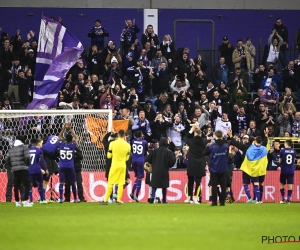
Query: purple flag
[[58, 50]]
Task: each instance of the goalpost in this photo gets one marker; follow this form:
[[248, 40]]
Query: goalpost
[[89, 125]]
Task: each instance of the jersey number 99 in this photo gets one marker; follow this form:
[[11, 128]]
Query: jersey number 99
[[137, 149]]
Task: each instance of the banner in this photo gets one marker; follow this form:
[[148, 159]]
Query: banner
[[97, 128], [95, 184], [57, 52]]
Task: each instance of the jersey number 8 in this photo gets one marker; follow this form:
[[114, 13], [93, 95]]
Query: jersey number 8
[[289, 159]]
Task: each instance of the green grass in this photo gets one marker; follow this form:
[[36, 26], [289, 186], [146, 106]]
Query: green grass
[[147, 226]]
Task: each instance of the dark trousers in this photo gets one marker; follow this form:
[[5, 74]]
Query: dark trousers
[[21, 176], [9, 185], [191, 180], [215, 180], [79, 188]]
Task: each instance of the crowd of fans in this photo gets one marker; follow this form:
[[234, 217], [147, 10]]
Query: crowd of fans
[[162, 90]]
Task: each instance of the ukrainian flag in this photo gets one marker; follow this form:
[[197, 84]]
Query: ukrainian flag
[[256, 161]]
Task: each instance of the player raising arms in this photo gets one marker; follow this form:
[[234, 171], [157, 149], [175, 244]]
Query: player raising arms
[[67, 151], [119, 151], [36, 168], [139, 151], [287, 160], [50, 145]]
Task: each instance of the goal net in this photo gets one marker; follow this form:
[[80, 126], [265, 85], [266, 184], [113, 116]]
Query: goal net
[[89, 125]]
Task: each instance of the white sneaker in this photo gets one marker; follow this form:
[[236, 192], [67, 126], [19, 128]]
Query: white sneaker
[[27, 204], [196, 202], [282, 202], [18, 204], [188, 200]]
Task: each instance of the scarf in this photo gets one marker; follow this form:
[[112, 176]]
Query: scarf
[[296, 128], [241, 119], [243, 60], [106, 105], [271, 95], [145, 60]]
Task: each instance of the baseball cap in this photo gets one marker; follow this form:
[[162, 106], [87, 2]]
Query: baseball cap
[[31, 50], [246, 136], [273, 84], [177, 149], [225, 38]]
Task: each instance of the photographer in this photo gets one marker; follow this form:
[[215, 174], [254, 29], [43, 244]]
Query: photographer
[[159, 126], [287, 106], [290, 97]]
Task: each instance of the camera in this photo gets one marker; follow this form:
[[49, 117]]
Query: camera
[[288, 99]]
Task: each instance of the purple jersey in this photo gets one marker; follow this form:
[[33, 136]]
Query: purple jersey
[[51, 144], [288, 156], [66, 155], [139, 149], [35, 157]]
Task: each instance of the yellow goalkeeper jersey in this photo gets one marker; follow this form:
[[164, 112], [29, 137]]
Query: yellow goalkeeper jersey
[[119, 151]]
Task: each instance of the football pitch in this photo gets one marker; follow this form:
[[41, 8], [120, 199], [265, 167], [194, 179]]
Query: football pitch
[[148, 226]]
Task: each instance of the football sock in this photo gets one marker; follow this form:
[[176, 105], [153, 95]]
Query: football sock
[[197, 188], [228, 193], [138, 187], [261, 189], [44, 191], [257, 192], [247, 191], [289, 195], [30, 194], [116, 188], [254, 194], [134, 186], [74, 189], [210, 198], [218, 192], [120, 193], [282, 193], [41, 192], [109, 191], [153, 191], [231, 193], [61, 191], [164, 195], [125, 185]]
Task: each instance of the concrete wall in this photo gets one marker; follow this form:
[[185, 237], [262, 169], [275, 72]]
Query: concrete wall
[[158, 4]]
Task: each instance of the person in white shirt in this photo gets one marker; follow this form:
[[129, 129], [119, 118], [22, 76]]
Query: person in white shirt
[[223, 124], [177, 85], [274, 48], [175, 131]]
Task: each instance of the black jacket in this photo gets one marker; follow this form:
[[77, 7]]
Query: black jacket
[[77, 160], [196, 162], [161, 159]]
